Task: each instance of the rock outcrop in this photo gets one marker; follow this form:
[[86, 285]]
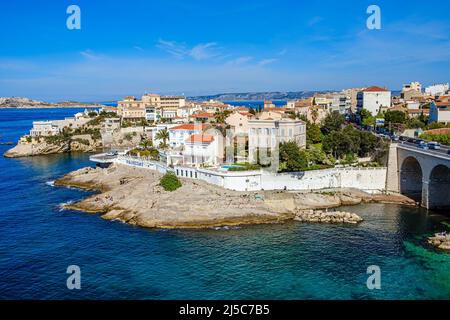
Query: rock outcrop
[[319, 216], [440, 241], [27, 149], [133, 195]]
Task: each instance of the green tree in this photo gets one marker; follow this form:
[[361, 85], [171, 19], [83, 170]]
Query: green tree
[[220, 116], [395, 116], [332, 122], [313, 133], [338, 144], [292, 158]]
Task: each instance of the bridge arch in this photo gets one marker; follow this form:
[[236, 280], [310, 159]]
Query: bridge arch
[[411, 177], [439, 188]]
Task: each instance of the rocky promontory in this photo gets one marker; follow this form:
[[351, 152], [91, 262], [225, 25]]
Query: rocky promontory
[[82, 143], [133, 195]]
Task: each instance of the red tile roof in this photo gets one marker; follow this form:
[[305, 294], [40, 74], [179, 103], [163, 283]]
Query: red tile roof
[[203, 115], [200, 138], [375, 89], [190, 127]]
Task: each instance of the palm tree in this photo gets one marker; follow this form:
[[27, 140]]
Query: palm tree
[[164, 136], [146, 144]]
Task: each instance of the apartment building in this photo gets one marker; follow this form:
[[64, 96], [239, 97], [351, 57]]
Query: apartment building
[[437, 89], [374, 99], [151, 107]]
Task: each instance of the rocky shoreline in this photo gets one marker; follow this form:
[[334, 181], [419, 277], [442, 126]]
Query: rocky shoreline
[[440, 241], [133, 196]]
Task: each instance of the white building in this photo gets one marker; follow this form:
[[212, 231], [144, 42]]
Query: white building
[[267, 134], [415, 86], [203, 149], [44, 129], [440, 112], [437, 89], [341, 103], [373, 99], [180, 133]]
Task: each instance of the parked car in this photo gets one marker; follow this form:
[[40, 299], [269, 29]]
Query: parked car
[[434, 145], [422, 145]]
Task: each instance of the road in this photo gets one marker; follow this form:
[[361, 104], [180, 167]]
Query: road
[[441, 152]]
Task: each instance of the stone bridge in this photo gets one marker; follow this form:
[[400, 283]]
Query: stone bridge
[[424, 175]]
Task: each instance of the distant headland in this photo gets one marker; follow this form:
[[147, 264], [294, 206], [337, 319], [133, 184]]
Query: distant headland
[[27, 103]]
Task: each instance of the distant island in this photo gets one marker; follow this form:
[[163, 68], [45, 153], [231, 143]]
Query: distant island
[[27, 103]]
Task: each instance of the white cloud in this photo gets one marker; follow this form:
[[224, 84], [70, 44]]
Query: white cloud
[[204, 51], [239, 61], [265, 62], [90, 55], [201, 51]]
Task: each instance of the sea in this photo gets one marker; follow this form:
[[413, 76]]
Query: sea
[[39, 241]]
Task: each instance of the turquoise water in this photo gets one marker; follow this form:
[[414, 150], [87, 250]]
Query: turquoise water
[[231, 167], [290, 261]]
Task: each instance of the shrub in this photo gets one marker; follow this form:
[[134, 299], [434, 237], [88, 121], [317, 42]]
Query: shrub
[[128, 137], [170, 182], [441, 138], [245, 167]]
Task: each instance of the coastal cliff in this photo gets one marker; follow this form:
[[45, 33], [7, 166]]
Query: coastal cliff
[[134, 196], [43, 147]]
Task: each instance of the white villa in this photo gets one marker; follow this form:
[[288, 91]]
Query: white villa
[[268, 133], [203, 149], [180, 133]]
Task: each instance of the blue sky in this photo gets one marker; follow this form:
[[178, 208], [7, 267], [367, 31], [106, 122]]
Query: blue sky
[[204, 47]]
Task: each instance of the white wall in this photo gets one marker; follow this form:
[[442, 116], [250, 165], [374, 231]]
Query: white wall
[[367, 179]]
